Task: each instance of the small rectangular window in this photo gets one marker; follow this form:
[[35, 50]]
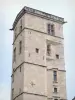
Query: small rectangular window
[[48, 28], [20, 28], [55, 76], [37, 50], [21, 25], [55, 90], [48, 49], [20, 47], [57, 56], [51, 29], [14, 55]]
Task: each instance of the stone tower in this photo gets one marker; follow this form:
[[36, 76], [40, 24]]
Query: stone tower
[[38, 70]]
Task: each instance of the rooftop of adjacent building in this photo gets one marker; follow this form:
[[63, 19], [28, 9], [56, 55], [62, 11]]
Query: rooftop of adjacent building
[[39, 14]]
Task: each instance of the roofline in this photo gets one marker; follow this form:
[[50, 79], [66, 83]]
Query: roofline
[[39, 14]]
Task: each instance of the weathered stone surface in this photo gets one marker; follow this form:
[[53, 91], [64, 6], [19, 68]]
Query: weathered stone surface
[[35, 81]]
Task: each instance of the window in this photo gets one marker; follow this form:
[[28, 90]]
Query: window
[[12, 94], [57, 56], [20, 25], [55, 76], [20, 47], [14, 55], [37, 50], [55, 90], [50, 29], [48, 49]]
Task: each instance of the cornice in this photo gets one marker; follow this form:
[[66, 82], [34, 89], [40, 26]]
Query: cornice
[[39, 14]]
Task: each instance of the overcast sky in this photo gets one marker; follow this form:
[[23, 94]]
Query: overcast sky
[[8, 12]]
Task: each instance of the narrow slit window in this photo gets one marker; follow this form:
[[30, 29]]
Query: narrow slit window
[[52, 30], [57, 56], [14, 55], [55, 76], [48, 29], [20, 47], [21, 25], [48, 49], [37, 50], [55, 90]]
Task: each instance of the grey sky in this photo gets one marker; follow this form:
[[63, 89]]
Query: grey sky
[[8, 12]]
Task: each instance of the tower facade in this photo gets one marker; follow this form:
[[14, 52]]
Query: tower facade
[[38, 70]]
